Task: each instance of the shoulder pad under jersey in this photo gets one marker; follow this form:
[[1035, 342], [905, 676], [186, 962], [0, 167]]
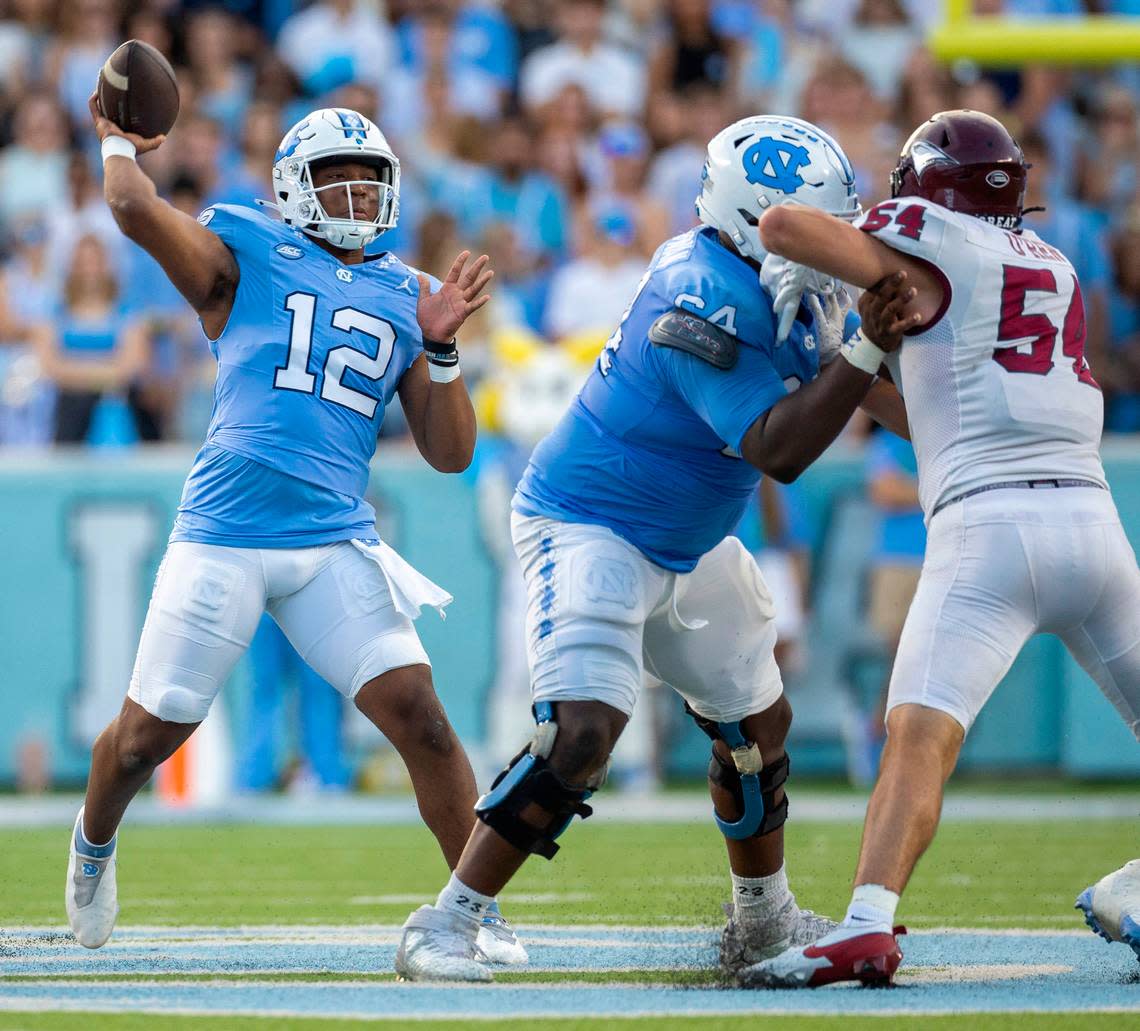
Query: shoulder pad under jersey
[[690, 333]]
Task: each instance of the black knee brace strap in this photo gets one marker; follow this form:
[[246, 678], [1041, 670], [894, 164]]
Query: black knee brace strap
[[529, 779], [724, 774]]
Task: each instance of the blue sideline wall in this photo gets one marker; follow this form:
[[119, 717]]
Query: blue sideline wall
[[81, 536]]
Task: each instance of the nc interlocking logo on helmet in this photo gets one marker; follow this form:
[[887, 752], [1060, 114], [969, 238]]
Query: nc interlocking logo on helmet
[[766, 160], [775, 164], [326, 134]]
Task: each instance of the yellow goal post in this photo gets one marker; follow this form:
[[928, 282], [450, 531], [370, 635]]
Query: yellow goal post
[[1010, 42]]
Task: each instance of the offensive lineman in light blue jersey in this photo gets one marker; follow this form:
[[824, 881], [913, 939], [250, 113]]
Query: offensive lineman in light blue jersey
[[621, 523], [313, 341]]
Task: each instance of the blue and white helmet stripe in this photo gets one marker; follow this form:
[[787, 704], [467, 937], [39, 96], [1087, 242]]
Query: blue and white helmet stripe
[[329, 133], [353, 124], [766, 160]]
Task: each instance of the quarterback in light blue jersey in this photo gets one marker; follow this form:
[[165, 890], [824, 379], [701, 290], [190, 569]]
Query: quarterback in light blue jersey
[[313, 342], [622, 521]]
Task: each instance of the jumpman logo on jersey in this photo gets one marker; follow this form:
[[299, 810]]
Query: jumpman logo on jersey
[[407, 285], [775, 164]]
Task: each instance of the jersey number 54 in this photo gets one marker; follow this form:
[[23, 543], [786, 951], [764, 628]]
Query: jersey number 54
[[1016, 324]]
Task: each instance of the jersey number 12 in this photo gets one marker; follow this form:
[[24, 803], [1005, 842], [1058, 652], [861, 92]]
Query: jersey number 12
[[295, 375]]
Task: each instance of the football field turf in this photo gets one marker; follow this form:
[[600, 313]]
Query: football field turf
[[265, 927]]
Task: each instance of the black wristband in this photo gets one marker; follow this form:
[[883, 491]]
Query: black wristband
[[441, 354]]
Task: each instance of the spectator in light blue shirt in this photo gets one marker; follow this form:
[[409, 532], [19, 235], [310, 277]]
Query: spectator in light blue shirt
[[1121, 375], [222, 84], [892, 483], [509, 190], [471, 89], [94, 354], [481, 40]]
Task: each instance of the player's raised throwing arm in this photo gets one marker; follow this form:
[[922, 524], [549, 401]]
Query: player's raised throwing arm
[[195, 260], [433, 394]]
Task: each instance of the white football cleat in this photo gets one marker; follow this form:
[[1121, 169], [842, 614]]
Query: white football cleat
[[439, 946], [744, 942], [91, 895], [498, 942], [1112, 906]]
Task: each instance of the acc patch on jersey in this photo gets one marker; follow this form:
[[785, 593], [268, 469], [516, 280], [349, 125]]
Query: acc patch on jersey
[[207, 216], [290, 251]]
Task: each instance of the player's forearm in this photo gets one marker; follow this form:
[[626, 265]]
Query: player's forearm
[[449, 427], [821, 241], [798, 428], [130, 195], [884, 404]]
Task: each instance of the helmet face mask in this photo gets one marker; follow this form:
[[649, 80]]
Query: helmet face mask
[[766, 160], [967, 162], [335, 136]]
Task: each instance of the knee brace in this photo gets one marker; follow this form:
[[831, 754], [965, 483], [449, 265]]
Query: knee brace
[[752, 784], [528, 779]]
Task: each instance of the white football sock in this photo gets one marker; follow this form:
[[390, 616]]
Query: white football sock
[[757, 898], [871, 904], [459, 899]]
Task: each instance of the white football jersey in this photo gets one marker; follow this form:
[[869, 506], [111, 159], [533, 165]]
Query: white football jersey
[[997, 387]]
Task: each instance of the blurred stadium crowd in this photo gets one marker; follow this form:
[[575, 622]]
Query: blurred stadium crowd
[[565, 138]]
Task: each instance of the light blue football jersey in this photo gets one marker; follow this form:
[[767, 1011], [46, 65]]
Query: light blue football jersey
[[310, 358], [650, 447]]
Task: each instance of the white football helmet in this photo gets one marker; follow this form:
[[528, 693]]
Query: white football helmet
[[766, 160], [334, 132]]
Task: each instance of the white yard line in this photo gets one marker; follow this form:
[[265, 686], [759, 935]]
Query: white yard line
[[127, 935]]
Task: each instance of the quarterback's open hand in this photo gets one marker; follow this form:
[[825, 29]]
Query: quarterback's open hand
[[886, 313], [441, 314], [104, 127]]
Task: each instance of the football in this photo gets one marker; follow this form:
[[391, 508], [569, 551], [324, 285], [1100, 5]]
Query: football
[[137, 90]]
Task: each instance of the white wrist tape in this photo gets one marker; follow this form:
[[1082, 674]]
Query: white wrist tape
[[117, 146], [443, 373], [864, 355]]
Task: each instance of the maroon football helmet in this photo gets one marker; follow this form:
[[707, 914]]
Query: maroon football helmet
[[966, 161]]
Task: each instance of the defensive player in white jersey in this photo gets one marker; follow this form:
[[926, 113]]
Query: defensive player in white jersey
[[1024, 538], [313, 341]]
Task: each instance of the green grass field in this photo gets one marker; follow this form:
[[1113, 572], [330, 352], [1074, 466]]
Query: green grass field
[[978, 875]]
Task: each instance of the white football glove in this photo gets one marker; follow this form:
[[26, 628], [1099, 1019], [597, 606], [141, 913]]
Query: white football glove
[[787, 282], [830, 318]]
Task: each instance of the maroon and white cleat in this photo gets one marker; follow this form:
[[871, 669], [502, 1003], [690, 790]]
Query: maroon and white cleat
[[869, 955]]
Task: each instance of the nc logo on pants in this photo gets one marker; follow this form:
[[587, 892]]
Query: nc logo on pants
[[610, 581]]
